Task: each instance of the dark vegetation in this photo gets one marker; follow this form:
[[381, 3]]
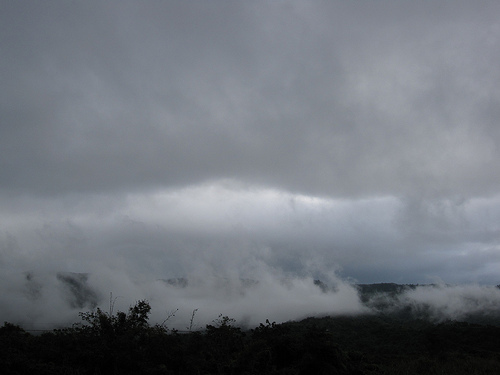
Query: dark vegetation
[[126, 343]]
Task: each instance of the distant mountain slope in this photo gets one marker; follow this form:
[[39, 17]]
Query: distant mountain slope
[[367, 291], [73, 287], [434, 302]]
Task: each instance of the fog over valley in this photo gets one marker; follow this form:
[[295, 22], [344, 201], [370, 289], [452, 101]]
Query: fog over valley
[[47, 301]]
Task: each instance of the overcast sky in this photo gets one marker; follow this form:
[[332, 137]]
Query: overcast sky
[[164, 139]]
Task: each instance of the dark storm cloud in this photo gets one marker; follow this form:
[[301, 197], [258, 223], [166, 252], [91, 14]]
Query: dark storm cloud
[[320, 98]]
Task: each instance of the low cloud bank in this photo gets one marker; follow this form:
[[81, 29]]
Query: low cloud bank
[[43, 300], [440, 302], [249, 253], [47, 300]]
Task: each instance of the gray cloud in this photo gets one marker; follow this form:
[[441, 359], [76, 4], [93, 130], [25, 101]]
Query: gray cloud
[[164, 139], [290, 95]]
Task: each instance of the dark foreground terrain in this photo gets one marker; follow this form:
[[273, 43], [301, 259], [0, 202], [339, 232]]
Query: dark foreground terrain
[[125, 343]]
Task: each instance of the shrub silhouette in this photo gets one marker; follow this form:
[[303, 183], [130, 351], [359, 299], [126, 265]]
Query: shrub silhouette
[[224, 341], [115, 343], [125, 343]]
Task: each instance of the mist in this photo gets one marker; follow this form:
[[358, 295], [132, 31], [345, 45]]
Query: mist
[[252, 254], [43, 301], [249, 148], [47, 301], [453, 302], [439, 302]]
